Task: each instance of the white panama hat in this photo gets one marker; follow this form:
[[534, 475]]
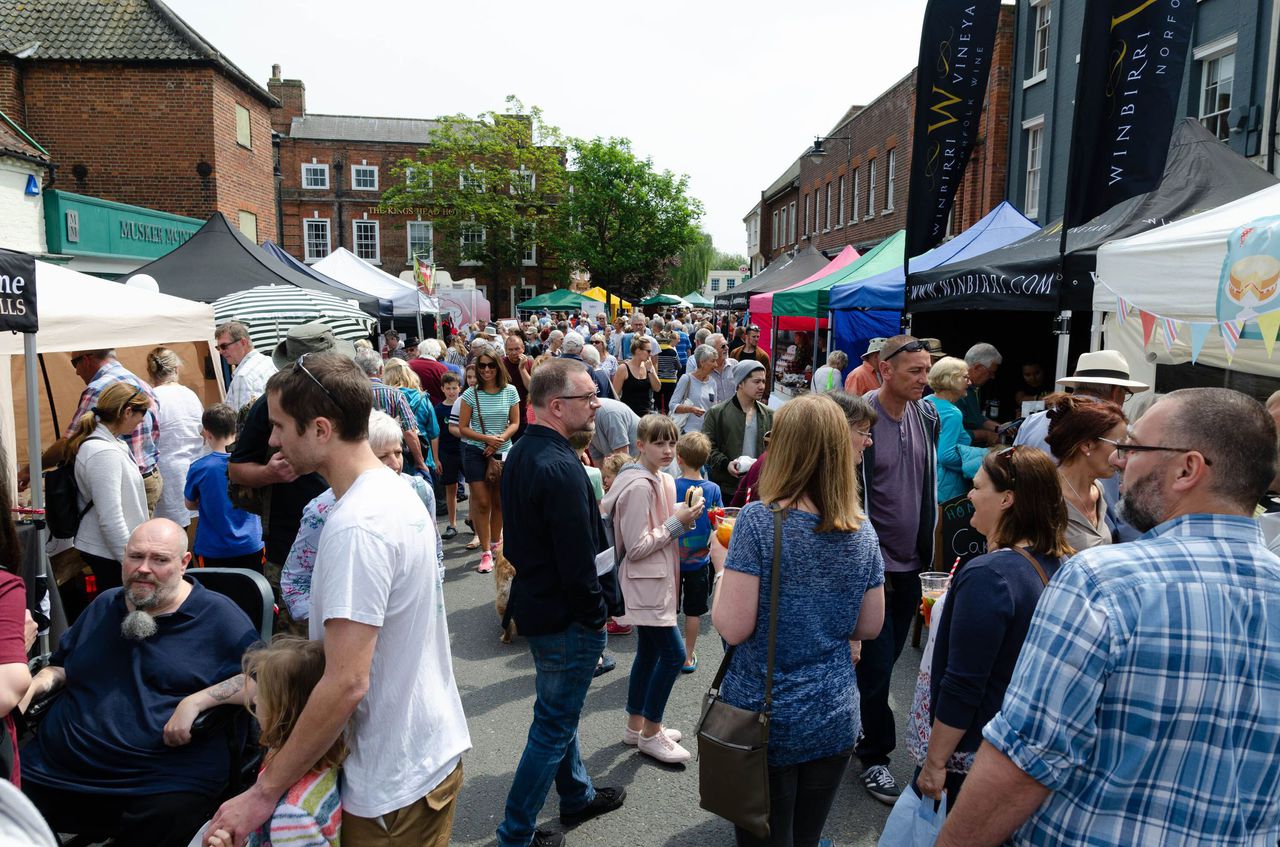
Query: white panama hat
[[1103, 367]]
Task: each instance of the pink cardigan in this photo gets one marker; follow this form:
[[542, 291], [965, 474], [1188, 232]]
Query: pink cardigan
[[642, 505]]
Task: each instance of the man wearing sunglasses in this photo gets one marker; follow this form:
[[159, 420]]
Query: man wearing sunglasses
[[1142, 709], [252, 369], [899, 481]]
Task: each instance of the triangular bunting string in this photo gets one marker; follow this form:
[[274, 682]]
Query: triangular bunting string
[[1148, 324], [1170, 327], [1199, 332], [1230, 337], [1122, 310], [1268, 325]]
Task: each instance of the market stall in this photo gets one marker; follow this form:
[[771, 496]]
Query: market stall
[[270, 311], [354, 272], [760, 306], [560, 300], [219, 260], [783, 272], [615, 302], [386, 308], [1207, 285]]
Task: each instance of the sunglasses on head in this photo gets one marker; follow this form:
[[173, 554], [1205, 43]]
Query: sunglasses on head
[[302, 367], [909, 347]]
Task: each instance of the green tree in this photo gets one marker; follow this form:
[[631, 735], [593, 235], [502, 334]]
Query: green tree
[[689, 272], [623, 220], [489, 185], [728, 261]]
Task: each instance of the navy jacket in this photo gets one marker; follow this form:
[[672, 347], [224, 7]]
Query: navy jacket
[[551, 533]]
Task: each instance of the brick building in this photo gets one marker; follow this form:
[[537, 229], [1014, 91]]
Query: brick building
[[333, 172], [136, 107], [857, 192]]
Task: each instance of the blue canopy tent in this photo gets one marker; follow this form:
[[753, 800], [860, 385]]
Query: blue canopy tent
[[872, 307], [384, 306]]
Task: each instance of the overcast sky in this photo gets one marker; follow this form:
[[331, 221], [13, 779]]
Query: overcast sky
[[726, 92]]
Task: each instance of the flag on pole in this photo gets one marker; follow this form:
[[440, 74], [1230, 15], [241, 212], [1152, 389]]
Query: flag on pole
[[957, 44], [424, 275]]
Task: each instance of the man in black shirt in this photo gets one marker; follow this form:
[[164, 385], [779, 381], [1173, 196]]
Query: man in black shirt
[[552, 533], [254, 465]]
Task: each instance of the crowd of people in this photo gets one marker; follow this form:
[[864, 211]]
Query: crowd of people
[[1102, 674]]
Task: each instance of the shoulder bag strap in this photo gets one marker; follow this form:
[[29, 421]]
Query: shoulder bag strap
[[475, 392], [1032, 559], [775, 583]]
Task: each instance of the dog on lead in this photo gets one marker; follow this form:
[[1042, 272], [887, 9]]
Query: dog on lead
[[503, 573]]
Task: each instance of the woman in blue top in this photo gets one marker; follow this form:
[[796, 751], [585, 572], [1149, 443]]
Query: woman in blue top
[[1018, 506], [487, 418], [832, 595], [958, 459]]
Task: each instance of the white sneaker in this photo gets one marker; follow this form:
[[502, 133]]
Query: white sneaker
[[659, 746], [631, 737]]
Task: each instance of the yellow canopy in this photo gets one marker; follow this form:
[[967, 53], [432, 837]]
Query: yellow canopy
[[598, 293]]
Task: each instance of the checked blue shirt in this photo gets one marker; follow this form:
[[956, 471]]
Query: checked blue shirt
[[1147, 693]]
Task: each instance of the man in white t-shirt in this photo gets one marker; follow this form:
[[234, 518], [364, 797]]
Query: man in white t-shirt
[[377, 602]]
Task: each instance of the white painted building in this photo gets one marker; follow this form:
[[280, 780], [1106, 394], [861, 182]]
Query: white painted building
[[718, 282], [754, 257], [24, 169]]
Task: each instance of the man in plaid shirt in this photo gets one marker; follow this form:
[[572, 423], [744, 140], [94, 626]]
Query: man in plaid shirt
[[393, 402], [1143, 708]]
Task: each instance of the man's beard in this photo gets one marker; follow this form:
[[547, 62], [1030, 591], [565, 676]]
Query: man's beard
[[145, 602], [138, 625], [1141, 505]]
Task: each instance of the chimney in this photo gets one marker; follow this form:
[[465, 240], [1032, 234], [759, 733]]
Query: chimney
[[292, 95]]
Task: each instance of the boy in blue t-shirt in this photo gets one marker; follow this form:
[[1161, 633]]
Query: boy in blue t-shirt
[[450, 452], [226, 537], [692, 451]]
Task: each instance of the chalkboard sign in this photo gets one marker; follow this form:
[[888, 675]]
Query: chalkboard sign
[[958, 538], [17, 292]]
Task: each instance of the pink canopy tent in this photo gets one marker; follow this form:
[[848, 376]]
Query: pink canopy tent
[[761, 308]]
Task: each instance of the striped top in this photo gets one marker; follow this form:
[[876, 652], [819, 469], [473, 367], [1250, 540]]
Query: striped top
[[308, 815], [494, 408]]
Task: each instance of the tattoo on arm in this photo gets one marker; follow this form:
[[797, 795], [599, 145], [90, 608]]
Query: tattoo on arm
[[227, 689]]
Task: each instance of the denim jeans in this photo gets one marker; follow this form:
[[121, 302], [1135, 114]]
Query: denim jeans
[[879, 733], [800, 798], [564, 663], [659, 657]]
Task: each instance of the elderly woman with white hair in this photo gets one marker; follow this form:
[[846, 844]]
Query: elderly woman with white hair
[[385, 438], [958, 459], [827, 377], [696, 391]]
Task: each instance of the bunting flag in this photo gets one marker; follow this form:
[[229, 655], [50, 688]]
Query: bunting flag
[[1199, 332], [1122, 310], [1231, 337], [424, 275], [1148, 324], [1268, 324], [1170, 332]]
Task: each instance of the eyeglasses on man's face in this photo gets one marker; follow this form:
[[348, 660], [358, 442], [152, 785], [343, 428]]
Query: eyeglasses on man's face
[[590, 396], [226, 345], [1126, 446]]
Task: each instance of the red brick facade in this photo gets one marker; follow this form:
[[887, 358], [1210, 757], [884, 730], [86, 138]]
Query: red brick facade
[[141, 131], [11, 90], [342, 204], [879, 135]]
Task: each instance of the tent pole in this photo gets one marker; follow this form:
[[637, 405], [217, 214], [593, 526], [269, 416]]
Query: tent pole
[[1064, 343], [419, 324], [34, 452], [1095, 329]]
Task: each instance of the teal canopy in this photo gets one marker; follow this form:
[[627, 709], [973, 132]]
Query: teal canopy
[[664, 300], [561, 298], [696, 299], [814, 300]]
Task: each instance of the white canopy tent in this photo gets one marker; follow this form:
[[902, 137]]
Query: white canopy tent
[[350, 270], [1173, 272], [81, 312]]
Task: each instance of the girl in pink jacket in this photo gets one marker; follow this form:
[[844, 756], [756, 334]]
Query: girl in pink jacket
[[646, 523]]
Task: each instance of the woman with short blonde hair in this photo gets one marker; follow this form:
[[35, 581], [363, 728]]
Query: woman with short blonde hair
[[958, 459]]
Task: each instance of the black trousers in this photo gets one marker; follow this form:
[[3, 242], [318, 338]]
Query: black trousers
[[106, 572], [800, 798], [159, 820], [875, 668], [249, 561]]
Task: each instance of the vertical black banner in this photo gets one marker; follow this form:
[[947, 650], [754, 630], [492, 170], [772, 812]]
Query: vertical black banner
[[17, 292], [956, 50], [1132, 54]]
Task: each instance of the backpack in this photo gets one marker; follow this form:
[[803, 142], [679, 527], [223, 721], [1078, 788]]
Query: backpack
[[62, 513]]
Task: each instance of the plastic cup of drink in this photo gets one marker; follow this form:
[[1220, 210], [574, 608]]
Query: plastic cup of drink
[[932, 587], [724, 527]]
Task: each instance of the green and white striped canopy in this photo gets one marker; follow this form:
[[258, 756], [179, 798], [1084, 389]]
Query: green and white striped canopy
[[270, 311]]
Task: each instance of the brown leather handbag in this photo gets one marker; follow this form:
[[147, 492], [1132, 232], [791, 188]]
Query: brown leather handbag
[[733, 743], [493, 465]]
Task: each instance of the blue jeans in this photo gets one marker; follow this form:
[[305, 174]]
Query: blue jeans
[[659, 657], [564, 662]]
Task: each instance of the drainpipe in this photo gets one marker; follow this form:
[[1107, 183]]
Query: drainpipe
[[337, 193], [277, 179]]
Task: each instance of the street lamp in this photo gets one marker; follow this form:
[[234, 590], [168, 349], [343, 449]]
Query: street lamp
[[818, 151]]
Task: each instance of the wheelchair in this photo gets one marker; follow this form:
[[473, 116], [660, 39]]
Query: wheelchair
[[252, 594]]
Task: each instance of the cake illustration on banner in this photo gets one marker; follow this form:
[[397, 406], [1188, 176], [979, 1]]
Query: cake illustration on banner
[[1250, 277]]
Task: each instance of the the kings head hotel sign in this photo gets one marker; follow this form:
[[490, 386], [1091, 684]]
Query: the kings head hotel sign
[[1131, 59], [956, 45], [17, 292]]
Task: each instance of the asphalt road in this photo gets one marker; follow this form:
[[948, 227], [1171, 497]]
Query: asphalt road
[[661, 810]]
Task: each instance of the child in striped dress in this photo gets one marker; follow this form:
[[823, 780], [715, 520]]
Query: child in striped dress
[[278, 681]]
